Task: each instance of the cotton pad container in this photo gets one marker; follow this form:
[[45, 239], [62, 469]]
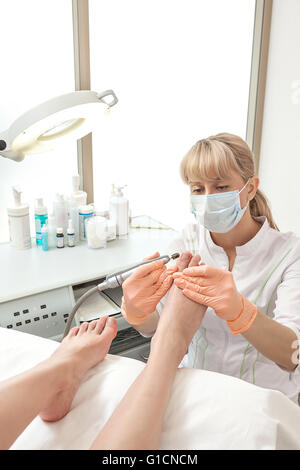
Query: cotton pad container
[[96, 231]]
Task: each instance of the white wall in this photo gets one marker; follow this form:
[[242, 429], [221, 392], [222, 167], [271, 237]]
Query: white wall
[[37, 56], [280, 152]]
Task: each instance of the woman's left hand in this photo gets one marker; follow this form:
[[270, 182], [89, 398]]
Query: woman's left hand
[[213, 287]]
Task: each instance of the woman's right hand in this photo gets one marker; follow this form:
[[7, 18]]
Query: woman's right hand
[[143, 290]]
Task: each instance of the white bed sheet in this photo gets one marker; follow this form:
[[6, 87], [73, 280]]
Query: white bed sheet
[[206, 410]]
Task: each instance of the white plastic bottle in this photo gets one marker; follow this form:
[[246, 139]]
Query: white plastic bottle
[[19, 224], [51, 231], [119, 212], [60, 211], [40, 216], [78, 198]]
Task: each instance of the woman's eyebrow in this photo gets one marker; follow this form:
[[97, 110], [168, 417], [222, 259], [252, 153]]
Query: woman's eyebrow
[[215, 180]]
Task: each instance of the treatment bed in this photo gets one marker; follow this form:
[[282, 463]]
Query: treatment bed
[[207, 410]]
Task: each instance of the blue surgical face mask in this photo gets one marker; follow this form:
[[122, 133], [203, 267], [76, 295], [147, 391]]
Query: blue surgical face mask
[[218, 212]]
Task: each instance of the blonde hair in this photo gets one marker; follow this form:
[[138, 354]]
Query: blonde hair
[[217, 156]]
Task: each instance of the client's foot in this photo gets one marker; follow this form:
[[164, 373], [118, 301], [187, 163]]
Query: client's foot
[[81, 349], [181, 317], [187, 260]]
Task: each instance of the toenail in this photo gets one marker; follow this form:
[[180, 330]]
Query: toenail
[[110, 321]]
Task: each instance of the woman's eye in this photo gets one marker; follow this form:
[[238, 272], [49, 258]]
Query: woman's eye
[[200, 190], [196, 190]]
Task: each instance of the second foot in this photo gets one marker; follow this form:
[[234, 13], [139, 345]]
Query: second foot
[[80, 350]]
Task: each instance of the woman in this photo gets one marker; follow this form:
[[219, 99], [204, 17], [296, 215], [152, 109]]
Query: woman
[[249, 277]]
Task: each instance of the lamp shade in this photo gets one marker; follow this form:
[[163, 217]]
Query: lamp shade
[[70, 116]]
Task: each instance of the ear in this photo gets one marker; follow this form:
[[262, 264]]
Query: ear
[[253, 187]]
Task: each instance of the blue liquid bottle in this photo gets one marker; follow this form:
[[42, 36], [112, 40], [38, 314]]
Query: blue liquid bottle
[[44, 237], [40, 216]]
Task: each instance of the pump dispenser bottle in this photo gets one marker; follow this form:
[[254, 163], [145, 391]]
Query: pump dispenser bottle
[[40, 216], [18, 220], [119, 211], [80, 197]]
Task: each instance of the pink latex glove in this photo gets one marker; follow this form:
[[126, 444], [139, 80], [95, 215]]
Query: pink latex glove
[[143, 290], [213, 287]]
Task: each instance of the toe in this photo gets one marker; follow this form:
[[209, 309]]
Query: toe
[[83, 328], [92, 325], [73, 331], [100, 325], [183, 260], [111, 328]]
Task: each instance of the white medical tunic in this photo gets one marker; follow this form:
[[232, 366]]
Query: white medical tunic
[[266, 271]]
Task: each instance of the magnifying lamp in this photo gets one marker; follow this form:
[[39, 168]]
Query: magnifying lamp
[[70, 116]]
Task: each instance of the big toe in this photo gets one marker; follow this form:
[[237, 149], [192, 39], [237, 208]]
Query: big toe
[[110, 329], [184, 260]]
